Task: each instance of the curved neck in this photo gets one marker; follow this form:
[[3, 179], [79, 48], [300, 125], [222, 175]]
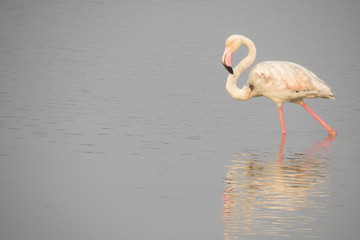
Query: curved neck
[[231, 86], [248, 60]]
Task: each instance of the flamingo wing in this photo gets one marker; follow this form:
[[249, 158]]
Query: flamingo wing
[[288, 77]]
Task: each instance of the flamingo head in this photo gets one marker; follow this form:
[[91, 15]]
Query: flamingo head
[[232, 44]]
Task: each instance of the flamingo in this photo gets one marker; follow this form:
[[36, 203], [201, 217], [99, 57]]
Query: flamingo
[[279, 81]]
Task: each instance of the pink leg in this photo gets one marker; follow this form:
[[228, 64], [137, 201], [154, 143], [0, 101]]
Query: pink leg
[[282, 122], [327, 127]]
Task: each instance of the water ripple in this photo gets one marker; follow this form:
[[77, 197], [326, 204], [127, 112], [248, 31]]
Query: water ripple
[[276, 198]]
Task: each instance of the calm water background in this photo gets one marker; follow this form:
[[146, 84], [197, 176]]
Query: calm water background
[[115, 123]]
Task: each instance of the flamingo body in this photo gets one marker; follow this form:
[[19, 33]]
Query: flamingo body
[[287, 82], [279, 81]]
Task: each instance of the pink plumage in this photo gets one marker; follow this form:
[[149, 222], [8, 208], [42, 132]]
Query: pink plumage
[[279, 81]]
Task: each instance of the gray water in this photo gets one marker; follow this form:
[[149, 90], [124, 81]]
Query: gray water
[[115, 122]]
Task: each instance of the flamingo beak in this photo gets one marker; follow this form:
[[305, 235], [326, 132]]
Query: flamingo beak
[[226, 60]]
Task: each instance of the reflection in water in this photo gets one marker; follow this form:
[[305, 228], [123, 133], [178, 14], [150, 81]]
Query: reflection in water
[[276, 198]]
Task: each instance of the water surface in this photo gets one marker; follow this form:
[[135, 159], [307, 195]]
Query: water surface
[[115, 123]]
